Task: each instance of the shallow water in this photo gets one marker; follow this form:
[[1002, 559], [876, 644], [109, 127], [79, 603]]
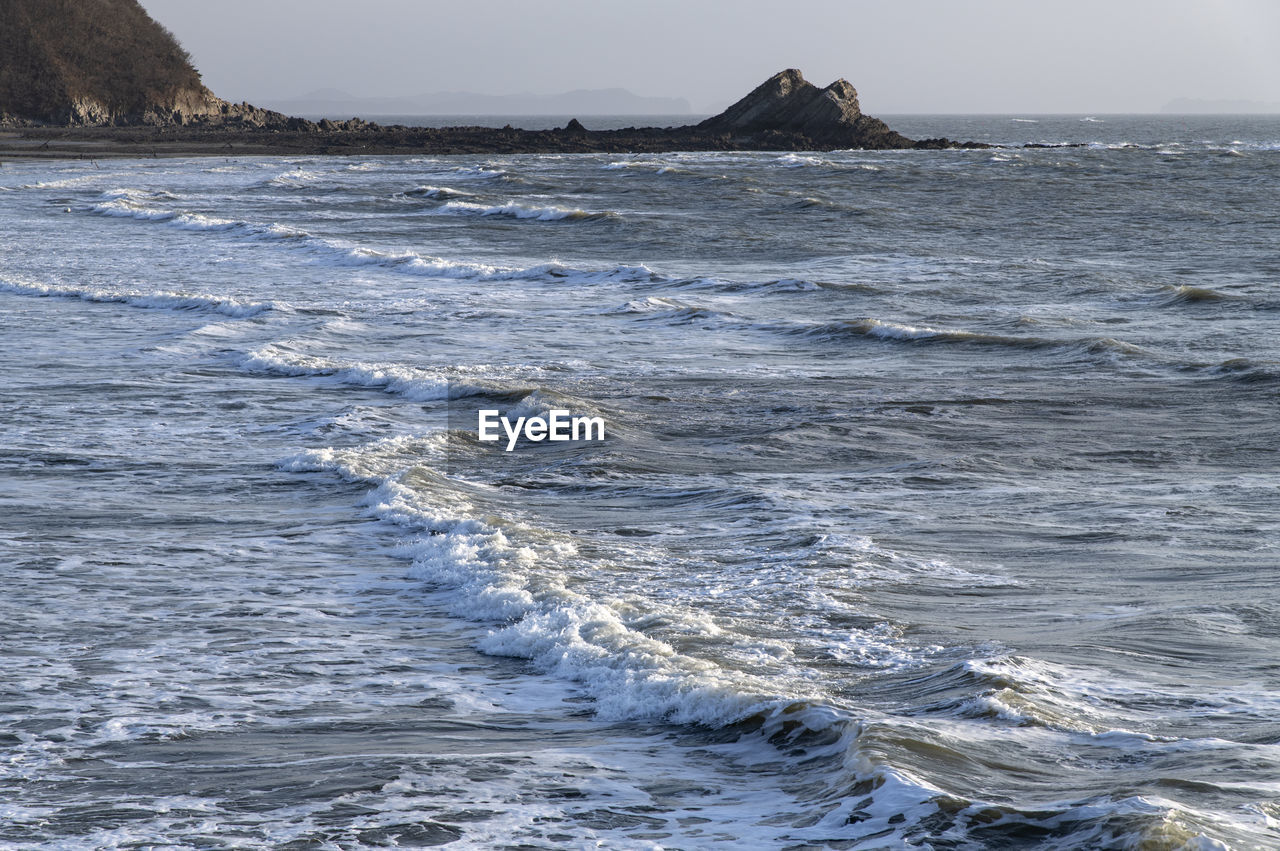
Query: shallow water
[[937, 505]]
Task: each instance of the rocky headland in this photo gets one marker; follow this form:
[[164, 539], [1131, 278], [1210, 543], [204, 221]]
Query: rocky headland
[[97, 78]]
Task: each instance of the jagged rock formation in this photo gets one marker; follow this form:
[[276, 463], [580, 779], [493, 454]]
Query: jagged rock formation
[[787, 103]]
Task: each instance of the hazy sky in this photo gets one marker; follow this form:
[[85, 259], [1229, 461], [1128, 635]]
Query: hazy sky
[[906, 56]]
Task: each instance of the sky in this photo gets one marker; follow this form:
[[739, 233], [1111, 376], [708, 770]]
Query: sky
[[908, 56]]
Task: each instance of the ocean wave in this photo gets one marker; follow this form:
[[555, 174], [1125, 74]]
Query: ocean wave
[[643, 306], [809, 203], [515, 581], [795, 160], [620, 164], [436, 193], [896, 332], [412, 383], [64, 183], [1245, 370], [340, 254], [136, 195], [164, 300], [802, 161], [1185, 294], [652, 166], [489, 577], [773, 285], [298, 179], [1191, 295], [663, 308], [478, 172], [883, 330], [518, 211], [1036, 693], [128, 204]]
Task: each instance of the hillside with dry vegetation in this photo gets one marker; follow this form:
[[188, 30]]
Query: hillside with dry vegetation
[[93, 62]]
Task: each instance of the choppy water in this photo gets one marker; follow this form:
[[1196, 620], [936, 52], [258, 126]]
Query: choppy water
[[938, 506]]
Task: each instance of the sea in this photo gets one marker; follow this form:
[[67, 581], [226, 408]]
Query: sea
[[937, 505]]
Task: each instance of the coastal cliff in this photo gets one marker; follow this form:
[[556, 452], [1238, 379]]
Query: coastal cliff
[[98, 63]]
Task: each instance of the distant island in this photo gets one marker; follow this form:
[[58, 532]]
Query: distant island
[[102, 78], [1198, 106], [334, 103]]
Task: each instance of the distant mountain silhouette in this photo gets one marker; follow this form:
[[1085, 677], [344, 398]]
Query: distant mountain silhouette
[[335, 103]]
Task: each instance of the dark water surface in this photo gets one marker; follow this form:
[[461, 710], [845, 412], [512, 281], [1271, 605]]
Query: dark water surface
[[938, 506]]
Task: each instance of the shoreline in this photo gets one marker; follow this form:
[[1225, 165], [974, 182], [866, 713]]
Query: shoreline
[[54, 142]]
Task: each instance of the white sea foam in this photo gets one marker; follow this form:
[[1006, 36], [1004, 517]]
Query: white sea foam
[[896, 331], [620, 164], [478, 172], [126, 204], [488, 576], [802, 161], [651, 304], [437, 193], [338, 253], [413, 383], [656, 167], [297, 179], [166, 300], [518, 211], [64, 183]]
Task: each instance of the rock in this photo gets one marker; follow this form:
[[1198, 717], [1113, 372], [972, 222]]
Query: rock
[[787, 103]]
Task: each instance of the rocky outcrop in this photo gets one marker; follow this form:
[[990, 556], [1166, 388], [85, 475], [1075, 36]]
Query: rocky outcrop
[[787, 103], [95, 63]]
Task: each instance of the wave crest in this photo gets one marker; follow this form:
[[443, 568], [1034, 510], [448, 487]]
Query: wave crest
[[164, 299]]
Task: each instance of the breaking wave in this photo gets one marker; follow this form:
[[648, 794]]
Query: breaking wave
[[164, 300], [517, 211], [413, 383], [337, 253]]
